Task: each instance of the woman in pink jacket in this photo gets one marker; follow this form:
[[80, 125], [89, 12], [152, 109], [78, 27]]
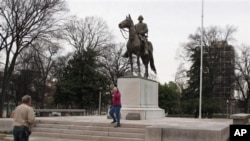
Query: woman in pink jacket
[[116, 107]]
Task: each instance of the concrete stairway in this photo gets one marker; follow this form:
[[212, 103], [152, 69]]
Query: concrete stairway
[[89, 131], [2, 136]]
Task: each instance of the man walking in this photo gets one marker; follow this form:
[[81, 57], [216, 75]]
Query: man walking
[[23, 119]]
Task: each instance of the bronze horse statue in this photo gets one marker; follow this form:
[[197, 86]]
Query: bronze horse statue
[[136, 46]]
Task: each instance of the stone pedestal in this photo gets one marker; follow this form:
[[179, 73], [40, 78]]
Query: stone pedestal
[[139, 96]]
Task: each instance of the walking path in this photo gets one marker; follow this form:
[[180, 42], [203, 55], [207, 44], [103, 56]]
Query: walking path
[[181, 123], [10, 138]]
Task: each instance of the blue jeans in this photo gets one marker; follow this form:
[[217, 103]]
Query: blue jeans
[[21, 133], [115, 114]]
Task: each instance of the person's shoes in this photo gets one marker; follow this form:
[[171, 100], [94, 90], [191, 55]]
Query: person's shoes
[[113, 122], [117, 126]]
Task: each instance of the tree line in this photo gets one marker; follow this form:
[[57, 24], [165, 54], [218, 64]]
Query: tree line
[[225, 72], [35, 34]]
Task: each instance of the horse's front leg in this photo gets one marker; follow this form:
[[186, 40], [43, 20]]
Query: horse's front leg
[[131, 63], [138, 64]]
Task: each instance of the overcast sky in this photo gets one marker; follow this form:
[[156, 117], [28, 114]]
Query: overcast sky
[[169, 22]]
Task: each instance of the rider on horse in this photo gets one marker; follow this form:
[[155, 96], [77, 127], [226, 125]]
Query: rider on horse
[[142, 30]]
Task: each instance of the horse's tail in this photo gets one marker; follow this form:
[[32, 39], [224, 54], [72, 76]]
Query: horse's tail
[[151, 60]]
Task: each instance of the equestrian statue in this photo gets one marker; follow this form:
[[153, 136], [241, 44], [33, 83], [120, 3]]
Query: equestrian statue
[[138, 44]]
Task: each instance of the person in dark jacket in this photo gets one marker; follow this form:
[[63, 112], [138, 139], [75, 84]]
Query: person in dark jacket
[[116, 107]]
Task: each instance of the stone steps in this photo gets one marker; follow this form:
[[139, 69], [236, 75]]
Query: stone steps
[[88, 123], [92, 128], [93, 131], [35, 138], [2, 136], [85, 137], [86, 132]]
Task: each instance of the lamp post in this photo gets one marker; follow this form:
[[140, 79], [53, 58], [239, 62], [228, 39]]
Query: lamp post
[[100, 100], [227, 108], [201, 62]]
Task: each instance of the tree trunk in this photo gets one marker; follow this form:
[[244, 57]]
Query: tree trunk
[[42, 96], [6, 79], [2, 98], [5, 86]]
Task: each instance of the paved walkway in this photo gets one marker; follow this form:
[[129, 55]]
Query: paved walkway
[[167, 121], [10, 138], [181, 123]]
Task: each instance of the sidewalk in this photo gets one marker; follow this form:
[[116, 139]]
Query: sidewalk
[[187, 127], [10, 138]]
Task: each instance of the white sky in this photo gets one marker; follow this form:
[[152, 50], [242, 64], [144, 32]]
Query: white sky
[[169, 22]]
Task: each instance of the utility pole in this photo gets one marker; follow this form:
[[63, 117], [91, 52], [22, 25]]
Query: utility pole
[[100, 101], [201, 65]]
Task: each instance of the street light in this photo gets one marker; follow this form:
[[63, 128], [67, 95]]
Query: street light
[[100, 100], [201, 62], [227, 108]]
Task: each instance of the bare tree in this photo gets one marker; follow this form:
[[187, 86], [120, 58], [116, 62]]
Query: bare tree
[[39, 61], [43, 59], [92, 32], [181, 78], [218, 67], [242, 77], [113, 63], [212, 35], [59, 64], [23, 22]]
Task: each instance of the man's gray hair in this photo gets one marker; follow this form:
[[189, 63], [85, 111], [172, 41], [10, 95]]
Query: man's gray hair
[[26, 99]]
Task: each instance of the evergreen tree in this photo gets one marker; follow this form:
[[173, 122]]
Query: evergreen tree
[[213, 74], [80, 82], [169, 98], [190, 99]]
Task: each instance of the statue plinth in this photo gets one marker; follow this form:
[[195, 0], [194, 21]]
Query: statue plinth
[[139, 96]]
